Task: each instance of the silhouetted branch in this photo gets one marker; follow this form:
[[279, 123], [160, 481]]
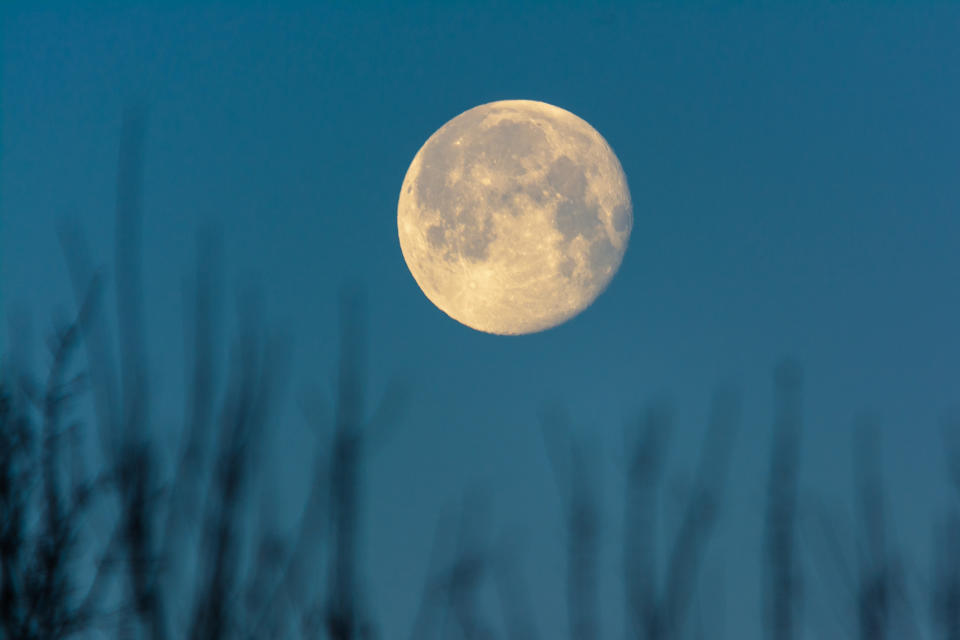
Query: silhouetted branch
[[700, 515], [425, 623], [783, 587], [644, 474], [655, 613], [946, 589], [576, 480], [129, 284], [342, 616], [100, 357], [516, 607], [874, 588], [469, 570], [256, 371], [37, 580]]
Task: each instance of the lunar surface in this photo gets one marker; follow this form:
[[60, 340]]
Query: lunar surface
[[514, 216]]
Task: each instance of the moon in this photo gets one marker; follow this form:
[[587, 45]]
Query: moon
[[514, 216]]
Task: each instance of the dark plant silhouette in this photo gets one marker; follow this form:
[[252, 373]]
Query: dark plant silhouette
[[657, 611], [946, 594], [876, 570], [644, 476], [39, 594], [576, 478], [946, 587], [783, 584]]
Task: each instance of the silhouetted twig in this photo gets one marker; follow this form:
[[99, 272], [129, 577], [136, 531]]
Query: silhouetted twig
[[782, 591], [875, 587], [577, 481], [39, 594], [644, 475], [946, 589], [656, 613], [700, 515]]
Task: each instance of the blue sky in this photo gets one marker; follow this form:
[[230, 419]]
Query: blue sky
[[794, 175]]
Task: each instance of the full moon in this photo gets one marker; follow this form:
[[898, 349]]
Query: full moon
[[514, 216]]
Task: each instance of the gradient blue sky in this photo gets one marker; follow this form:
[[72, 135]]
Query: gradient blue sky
[[795, 176]]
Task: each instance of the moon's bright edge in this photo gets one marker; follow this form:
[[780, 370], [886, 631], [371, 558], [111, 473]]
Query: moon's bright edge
[[514, 216]]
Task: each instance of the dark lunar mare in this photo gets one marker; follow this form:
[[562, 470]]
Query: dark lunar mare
[[467, 228]]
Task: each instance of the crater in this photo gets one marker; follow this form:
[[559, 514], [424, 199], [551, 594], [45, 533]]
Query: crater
[[536, 192], [621, 218], [506, 199]]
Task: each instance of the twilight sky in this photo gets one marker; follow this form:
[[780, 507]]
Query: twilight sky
[[795, 177]]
